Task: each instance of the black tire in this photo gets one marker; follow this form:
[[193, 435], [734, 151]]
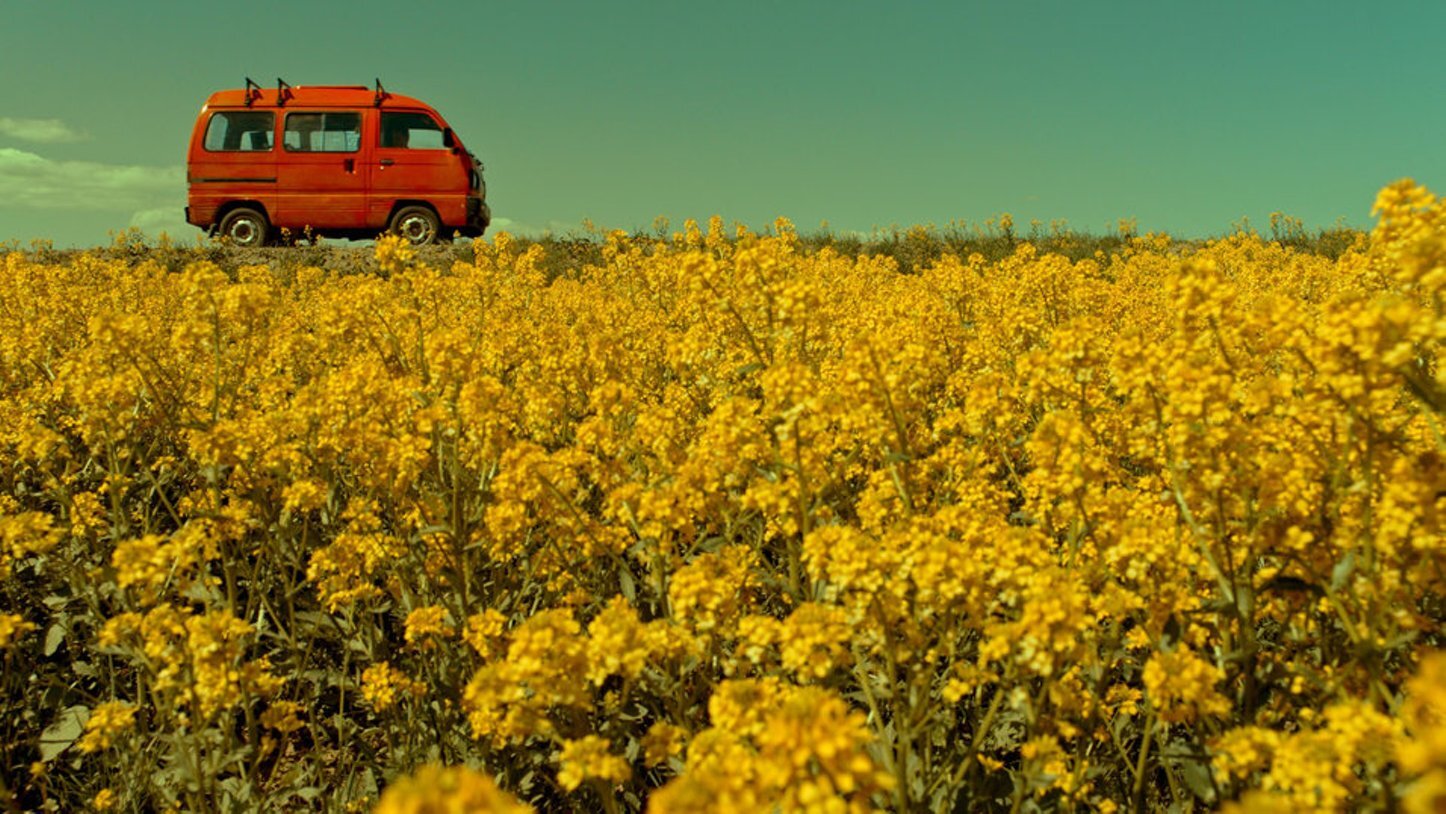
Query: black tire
[[418, 224], [245, 227]]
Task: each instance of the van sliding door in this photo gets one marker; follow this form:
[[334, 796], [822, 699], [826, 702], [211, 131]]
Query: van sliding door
[[321, 181]]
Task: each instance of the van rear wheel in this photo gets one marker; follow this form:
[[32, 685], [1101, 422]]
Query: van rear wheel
[[245, 227], [418, 224]]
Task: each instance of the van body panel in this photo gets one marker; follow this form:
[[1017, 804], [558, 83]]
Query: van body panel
[[320, 174], [316, 157], [396, 173], [321, 190], [217, 176]]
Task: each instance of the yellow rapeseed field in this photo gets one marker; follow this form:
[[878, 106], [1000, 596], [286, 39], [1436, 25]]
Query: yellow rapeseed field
[[726, 522]]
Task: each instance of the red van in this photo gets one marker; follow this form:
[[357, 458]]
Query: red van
[[339, 160]]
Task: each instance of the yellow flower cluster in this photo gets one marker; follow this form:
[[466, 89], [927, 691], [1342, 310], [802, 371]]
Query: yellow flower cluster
[[383, 685], [1318, 768], [194, 660], [106, 723], [776, 747], [425, 624], [12, 627], [433, 789], [721, 520], [25, 534], [1181, 686], [1423, 753], [590, 758]]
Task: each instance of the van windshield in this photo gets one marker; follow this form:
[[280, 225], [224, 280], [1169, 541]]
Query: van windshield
[[244, 130], [416, 131]]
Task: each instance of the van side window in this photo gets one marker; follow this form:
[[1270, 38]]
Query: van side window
[[240, 130], [416, 131], [322, 132]]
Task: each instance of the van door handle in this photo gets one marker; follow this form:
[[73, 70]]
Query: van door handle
[[387, 162], [349, 165]]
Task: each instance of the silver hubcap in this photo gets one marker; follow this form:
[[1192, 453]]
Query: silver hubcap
[[243, 232], [416, 228]]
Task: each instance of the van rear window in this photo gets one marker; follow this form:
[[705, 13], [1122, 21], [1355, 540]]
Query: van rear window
[[322, 132], [245, 130]]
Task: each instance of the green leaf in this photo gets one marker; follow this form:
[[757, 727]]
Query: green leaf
[[1197, 776], [1171, 634], [630, 590], [62, 733], [53, 637], [236, 793], [1343, 570]]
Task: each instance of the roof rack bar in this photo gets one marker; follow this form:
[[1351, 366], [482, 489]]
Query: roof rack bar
[[282, 91], [381, 93], [249, 86]]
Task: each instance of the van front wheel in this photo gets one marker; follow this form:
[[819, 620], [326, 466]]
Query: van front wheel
[[244, 227], [418, 224]]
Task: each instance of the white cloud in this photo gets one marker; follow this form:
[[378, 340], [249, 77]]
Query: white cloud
[[168, 220], [513, 227], [554, 228], [41, 131], [31, 181]]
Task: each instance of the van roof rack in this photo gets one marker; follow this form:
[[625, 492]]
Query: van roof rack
[[253, 91], [285, 90]]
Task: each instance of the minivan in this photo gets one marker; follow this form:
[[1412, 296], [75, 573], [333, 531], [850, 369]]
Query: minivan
[[329, 160]]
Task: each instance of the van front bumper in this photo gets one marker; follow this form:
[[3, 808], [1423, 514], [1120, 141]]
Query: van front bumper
[[479, 214]]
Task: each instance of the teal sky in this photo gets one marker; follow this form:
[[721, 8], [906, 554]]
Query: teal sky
[[1186, 116]]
